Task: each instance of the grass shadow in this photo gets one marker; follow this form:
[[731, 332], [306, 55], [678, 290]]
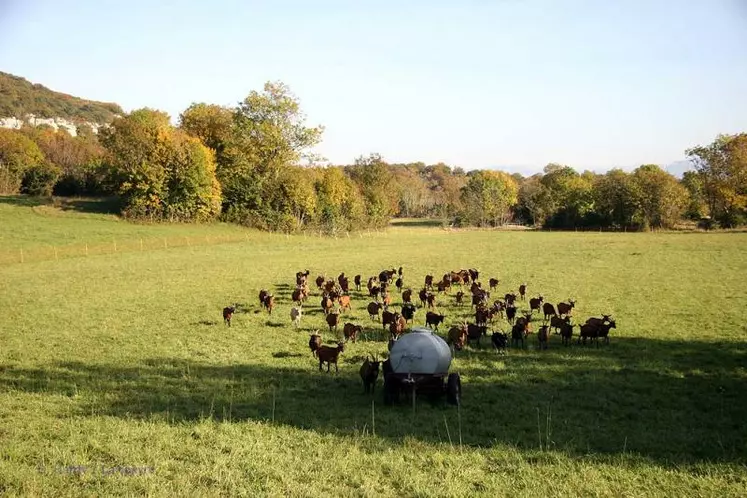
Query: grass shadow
[[674, 402]]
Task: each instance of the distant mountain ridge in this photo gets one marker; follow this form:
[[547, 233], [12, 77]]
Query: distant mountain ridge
[[37, 104]]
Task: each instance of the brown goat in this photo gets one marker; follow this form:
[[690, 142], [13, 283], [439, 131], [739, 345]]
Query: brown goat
[[327, 303], [320, 281], [460, 298], [397, 327], [373, 310], [357, 282], [369, 372], [548, 310], [542, 336], [566, 308], [523, 291], [429, 281], [262, 295], [535, 303], [387, 317], [350, 331], [407, 296], [493, 283], [457, 336], [228, 314], [269, 303], [434, 319], [345, 302], [332, 320], [329, 355], [315, 342]]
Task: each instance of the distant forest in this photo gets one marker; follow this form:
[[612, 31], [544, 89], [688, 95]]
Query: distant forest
[[19, 97], [252, 164]]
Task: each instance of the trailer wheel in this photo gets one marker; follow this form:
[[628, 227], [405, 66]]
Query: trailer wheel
[[454, 389]]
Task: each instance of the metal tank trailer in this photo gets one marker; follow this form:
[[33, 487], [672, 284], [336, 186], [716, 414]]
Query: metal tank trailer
[[418, 364]]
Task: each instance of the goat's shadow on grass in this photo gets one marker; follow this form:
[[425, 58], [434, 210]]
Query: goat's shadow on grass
[[671, 402]]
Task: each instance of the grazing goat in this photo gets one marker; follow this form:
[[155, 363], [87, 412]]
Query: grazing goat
[[457, 336], [460, 298], [429, 282], [475, 332], [301, 277], [397, 327], [228, 314], [398, 284], [423, 295], [373, 310], [493, 283], [320, 281], [269, 303], [500, 341], [431, 300], [482, 315], [523, 292], [332, 320], [357, 281], [408, 311], [566, 333], [557, 323], [535, 303], [351, 331], [434, 319], [548, 310], [327, 303], [315, 342], [295, 316], [407, 296], [297, 296], [518, 332], [328, 355], [386, 299], [510, 298], [474, 274], [566, 308], [369, 373], [442, 286], [341, 278], [542, 336], [510, 313], [387, 317], [262, 295], [344, 302]]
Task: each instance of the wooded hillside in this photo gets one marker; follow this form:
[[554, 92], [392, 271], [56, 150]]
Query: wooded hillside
[[19, 97]]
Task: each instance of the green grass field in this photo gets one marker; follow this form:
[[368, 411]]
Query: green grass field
[[118, 377]]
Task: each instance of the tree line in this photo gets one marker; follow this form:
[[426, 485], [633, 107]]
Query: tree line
[[252, 164]]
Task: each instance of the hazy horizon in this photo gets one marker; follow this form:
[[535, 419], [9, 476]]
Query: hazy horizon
[[510, 85]]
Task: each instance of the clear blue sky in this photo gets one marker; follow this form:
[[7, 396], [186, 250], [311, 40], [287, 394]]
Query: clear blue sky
[[513, 84]]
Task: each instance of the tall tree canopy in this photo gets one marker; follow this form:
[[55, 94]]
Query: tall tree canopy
[[488, 197]]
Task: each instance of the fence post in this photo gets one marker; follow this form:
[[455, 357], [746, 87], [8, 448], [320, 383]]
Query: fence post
[[21, 255], [86, 248], [141, 244], [115, 245]]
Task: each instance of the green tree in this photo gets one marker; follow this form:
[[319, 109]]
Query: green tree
[[17, 154], [488, 197], [697, 208], [376, 182], [210, 123], [268, 135], [615, 198], [722, 166], [340, 204], [161, 172], [39, 179], [534, 200], [661, 198]]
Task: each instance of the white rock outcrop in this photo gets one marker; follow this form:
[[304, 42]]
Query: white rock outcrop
[[56, 123]]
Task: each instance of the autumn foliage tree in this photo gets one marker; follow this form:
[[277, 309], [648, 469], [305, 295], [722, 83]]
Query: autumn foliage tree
[[162, 172], [18, 154], [488, 197]]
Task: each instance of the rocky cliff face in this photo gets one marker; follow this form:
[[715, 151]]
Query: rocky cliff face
[[56, 123]]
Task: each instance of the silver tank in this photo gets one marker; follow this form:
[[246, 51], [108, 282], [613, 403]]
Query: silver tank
[[420, 352]]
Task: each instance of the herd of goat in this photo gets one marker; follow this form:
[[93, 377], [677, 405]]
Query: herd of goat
[[335, 300]]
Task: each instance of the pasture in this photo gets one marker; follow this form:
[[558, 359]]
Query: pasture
[[118, 376]]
